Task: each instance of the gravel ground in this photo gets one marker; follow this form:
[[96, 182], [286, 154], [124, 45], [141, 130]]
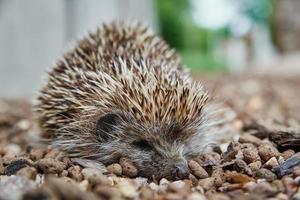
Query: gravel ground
[[258, 160]]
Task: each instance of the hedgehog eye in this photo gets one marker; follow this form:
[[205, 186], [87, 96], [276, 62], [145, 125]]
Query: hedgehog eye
[[142, 144], [105, 125]]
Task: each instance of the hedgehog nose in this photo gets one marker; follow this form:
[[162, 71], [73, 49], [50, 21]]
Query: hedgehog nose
[[181, 171]]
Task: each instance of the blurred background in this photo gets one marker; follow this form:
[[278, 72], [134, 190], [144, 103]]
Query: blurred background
[[212, 36]]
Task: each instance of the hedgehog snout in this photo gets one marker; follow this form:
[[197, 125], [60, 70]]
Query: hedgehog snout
[[180, 171]]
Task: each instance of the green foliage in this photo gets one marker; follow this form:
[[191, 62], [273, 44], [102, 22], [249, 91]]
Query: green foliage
[[195, 44]]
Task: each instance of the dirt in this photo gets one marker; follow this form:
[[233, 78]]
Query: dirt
[[259, 159]]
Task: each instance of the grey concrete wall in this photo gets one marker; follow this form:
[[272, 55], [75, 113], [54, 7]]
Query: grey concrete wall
[[34, 34]]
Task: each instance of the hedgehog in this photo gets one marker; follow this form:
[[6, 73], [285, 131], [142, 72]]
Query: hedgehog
[[123, 92]]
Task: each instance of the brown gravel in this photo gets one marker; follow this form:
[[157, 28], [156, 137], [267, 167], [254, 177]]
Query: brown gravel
[[258, 164]]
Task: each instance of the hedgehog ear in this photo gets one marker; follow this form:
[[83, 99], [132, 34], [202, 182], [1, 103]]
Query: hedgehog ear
[[106, 124]]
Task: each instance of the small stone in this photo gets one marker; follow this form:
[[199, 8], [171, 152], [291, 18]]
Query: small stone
[[36, 154], [193, 179], [255, 166], [289, 184], [115, 169], [287, 154], [127, 190], [296, 196], [12, 150], [2, 168], [146, 193], [219, 177], [84, 185], [94, 176], [219, 196], [266, 151], [234, 177], [272, 163], [105, 192], [164, 181], [128, 169], [248, 138], [232, 149], [242, 167], [250, 155], [266, 174], [278, 185], [75, 173], [287, 166], [197, 170], [209, 159], [226, 187], [28, 172], [154, 186], [50, 166], [250, 185], [196, 196], [264, 188], [176, 186], [13, 187], [173, 196], [54, 154], [296, 171], [282, 196], [206, 183], [64, 173]]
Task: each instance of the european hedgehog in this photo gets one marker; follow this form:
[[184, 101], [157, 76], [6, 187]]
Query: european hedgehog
[[123, 92]]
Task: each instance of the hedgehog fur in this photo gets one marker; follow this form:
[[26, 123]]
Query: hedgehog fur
[[123, 92]]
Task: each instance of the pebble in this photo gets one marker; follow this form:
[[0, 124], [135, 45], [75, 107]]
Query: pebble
[[50, 166], [153, 186], [146, 193], [250, 155], [193, 179], [271, 163], [266, 174], [75, 173], [266, 151], [128, 168], [296, 171], [13, 187], [287, 154], [94, 176], [264, 188], [290, 185], [197, 170], [115, 169], [196, 196], [176, 186], [234, 177], [287, 166], [54, 154], [12, 150], [206, 183], [255, 166], [278, 185], [219, 177], [36, 154], [219, 196], [127, 189], [242, 167], [28, 172], [105, 192], [248, 138]]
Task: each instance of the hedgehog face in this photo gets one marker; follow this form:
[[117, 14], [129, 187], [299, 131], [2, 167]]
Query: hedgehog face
[[153, 155]]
